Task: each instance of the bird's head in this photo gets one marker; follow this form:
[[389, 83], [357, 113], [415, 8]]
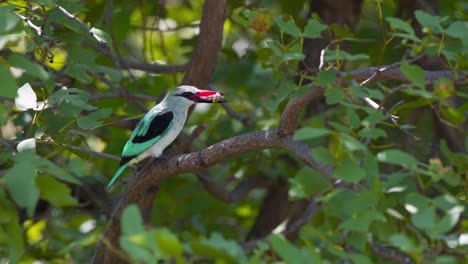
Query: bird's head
[[192, 94]]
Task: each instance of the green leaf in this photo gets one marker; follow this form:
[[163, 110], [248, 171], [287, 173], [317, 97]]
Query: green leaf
[[340, 127], [455, 116], [288, 26], [349, 171], [28, 66], [325, 78], [407, 36], [101, 36], [446, 260], [8, 19], [360, 258], [334, 95], [458, 30], [361, 222], [169, 244], [114, 75], [220, 249], [72, 96], [47, 166], [403, 242], [287, 56], [397, 23], [372, 133], [132, 244], [287, 251], [429, 21], [310, 133], [9, 86], [323, 155], [343, 55], [54, 191], [353, 118], [80, 72], [12, 230], [350, 143], [20, 181], [306, 183], [92, 120], [132, 222], [313, 29], [398, 157], [414, 73], [424, 218]]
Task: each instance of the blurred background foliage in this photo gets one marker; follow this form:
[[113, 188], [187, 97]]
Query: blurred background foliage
[[73, 88]]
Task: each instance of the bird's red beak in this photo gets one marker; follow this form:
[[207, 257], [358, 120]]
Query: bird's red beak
[[207, 96]]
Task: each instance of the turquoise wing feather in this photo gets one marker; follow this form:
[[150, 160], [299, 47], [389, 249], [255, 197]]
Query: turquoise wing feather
[[148, 131], [116, 175]]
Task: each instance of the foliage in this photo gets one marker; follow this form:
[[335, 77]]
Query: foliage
[[66, 97]]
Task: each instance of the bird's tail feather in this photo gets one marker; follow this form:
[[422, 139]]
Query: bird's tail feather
[[117, 174]]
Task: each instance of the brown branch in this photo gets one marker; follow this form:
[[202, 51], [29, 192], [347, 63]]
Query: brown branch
[[140, 188], [395, 74], [236, 195], [290, 116], [209, 40]]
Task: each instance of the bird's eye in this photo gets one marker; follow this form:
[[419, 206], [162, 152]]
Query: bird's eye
[[186, 94]]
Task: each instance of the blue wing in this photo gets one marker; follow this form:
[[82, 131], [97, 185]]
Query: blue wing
[[148, 131]]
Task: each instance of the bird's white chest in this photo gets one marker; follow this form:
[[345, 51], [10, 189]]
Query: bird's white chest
[[169, 136]]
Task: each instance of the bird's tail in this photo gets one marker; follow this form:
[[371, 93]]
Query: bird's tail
[[116, 175]]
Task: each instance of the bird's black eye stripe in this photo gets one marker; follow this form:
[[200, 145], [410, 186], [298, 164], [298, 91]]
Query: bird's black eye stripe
[[186, 94]]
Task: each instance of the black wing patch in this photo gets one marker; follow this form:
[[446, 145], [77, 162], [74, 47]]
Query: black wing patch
[[125, 159], [158, 125]]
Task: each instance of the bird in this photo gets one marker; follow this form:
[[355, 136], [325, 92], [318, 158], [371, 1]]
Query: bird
[[162, 124]]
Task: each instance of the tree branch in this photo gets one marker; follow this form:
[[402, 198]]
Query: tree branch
[[209, 40], [395, 74]]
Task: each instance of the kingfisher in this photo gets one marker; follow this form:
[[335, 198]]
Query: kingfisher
[[162, 124]]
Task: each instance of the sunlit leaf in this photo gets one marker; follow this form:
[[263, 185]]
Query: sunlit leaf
[[397, 23], [288, 26], [287, 251], [397, 157], [93, 120], [414, 73], [429, 21], [310, 133], [313, 29]]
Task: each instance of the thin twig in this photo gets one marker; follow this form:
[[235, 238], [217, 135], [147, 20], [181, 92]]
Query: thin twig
[[40, 32], [82, 149], [89, 30]]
